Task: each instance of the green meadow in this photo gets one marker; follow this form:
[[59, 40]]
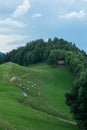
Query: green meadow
[[32, 98]]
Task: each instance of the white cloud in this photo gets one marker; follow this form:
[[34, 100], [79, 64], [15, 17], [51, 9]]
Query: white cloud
[[8, 28], [5, 30], [6, 39], [74, 14], [21, 9], [10, 22], [10, 38], [37, 15]]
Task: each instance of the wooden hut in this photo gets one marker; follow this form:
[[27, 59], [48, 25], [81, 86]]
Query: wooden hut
[[61, 62]]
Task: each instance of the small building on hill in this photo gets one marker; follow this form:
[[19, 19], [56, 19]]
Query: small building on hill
[[61, 62]]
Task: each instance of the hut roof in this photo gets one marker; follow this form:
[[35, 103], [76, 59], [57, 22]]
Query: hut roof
[[61, 62]]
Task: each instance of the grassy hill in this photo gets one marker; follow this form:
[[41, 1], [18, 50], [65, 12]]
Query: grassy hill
[[32, 98]]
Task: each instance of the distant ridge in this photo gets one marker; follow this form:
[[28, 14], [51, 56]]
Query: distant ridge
[[2, 53]]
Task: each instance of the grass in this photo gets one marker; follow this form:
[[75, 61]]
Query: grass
[[59, 81], [44, 87]]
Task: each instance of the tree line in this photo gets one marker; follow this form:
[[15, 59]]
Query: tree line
[[75, 59], [36, 51]]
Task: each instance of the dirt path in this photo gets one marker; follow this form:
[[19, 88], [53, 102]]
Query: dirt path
[[71, 122], [58, 118], [25, 75]]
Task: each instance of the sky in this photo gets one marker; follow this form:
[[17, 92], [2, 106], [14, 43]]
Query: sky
[[22, 21]]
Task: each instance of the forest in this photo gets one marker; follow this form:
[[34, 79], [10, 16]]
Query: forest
[[50, 52]]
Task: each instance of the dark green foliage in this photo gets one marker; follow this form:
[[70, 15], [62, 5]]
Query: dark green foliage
[[77, 100], [39, 51], [56, 55], [74, 62]]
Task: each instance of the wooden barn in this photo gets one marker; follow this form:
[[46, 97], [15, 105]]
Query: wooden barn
[[61, 62]]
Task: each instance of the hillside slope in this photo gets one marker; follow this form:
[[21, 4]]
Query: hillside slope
[[29, 94]]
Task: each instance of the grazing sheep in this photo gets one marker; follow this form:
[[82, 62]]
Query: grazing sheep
[[24, 94], [32, 86]]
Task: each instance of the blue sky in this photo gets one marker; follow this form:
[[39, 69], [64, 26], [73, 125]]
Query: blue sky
[[22, 21]]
